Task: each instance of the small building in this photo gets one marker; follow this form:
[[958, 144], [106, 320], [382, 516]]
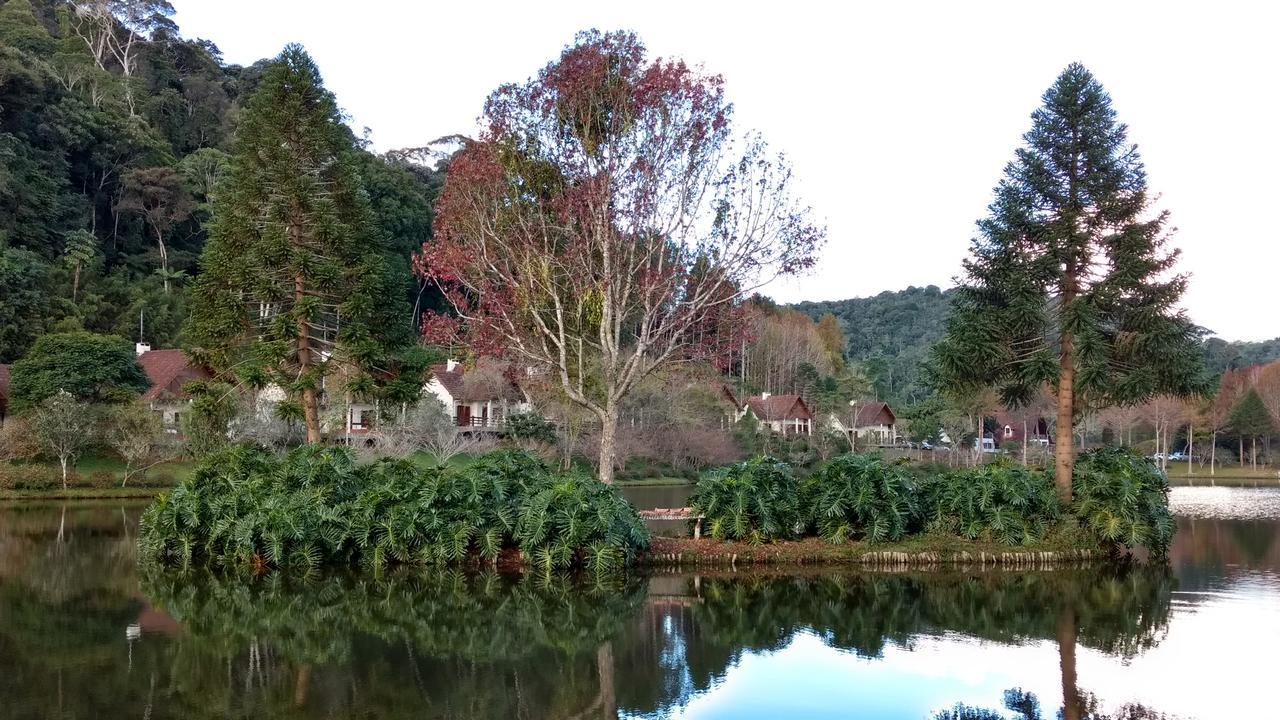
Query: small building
[[781, 414], [168, 371], [481, 398], [875, 423], [4, 393], [1012, 428]]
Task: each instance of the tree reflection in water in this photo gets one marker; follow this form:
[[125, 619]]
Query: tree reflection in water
[[82, 634]]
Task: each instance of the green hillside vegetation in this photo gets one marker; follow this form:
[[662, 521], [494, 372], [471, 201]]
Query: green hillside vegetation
[[107, 173], [889, 335]]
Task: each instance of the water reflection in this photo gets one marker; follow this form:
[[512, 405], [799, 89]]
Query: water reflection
[[85, 633]]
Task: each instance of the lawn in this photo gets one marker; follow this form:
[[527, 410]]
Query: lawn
[[1231, 475]]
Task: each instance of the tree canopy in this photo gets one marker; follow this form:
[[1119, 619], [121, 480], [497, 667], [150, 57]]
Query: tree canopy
[[89, 367], [294, 282], [1070, 281]]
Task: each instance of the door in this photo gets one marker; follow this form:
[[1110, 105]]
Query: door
[[464, 415]]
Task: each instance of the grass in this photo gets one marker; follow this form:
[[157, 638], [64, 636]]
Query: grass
[[81, 493], [1229, 476]]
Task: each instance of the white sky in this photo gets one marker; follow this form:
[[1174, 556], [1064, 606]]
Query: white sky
[[898, 116]]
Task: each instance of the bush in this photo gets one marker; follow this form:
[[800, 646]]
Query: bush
[[860, 495], [1122, 497], [757, 500], [317, 505], [102, 479], [1000, 501], [33, 477], [532, 427]]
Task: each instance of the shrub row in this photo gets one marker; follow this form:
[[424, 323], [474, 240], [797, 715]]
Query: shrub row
[[1118, 497], [32, 476], [317, 505]]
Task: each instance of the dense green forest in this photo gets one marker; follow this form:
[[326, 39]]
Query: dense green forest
[[890, 335], [114, 132]]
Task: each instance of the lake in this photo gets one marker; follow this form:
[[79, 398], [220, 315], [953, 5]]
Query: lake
[[87, 633]]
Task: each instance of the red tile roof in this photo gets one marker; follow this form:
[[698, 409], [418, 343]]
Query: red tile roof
[[168, 371], [875, 413], [450, 379], [779, 407]]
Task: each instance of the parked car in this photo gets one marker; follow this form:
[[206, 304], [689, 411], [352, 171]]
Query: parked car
[[926, 445], [1173, 457]]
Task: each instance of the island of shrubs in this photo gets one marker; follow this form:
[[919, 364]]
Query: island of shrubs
[[246, 506], [317, 506], [1119, 498]]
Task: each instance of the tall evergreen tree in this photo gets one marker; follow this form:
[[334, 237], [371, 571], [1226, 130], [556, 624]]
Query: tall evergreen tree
[[293, 282], [1070, 282]]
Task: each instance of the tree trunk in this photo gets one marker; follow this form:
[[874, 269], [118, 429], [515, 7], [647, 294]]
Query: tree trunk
[[608, 442], [62, 459], [310, 403], [1213, 454], [1071, 705], [1064, 454], [1191, 435], [164, 257]]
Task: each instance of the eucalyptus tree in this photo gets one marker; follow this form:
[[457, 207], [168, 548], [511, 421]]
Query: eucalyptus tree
[[1070, 281]]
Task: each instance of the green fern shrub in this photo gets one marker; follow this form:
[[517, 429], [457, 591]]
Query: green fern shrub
[[859, 495], [757, 500], [317, 506], [1122, 497], [1001, 501]]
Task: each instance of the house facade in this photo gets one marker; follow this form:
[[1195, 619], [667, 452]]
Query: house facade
[[480, 398], [781, 414], [875, 423], [168, 371], [1012, 428]]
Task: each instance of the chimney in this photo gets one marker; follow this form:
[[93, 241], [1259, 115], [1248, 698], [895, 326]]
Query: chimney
[[450, 365], [141, 347]]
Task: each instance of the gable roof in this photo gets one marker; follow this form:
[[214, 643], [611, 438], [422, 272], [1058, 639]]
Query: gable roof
[[455, 381], [875, 413], [779, 407], [450, 379], [168, 371]]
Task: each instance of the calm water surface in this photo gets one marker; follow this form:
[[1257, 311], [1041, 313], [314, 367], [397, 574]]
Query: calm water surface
[[86, 633]]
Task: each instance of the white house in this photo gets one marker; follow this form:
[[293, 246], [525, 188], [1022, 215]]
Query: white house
[[483, 397]]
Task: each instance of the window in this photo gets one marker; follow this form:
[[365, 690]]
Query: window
[[1008, 431], [357, 419]]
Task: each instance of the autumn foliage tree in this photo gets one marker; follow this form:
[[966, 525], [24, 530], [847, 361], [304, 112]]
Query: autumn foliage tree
[[605, 218], [1070, 281]]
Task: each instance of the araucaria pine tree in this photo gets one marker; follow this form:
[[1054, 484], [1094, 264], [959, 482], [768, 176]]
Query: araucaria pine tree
[[1070, 283], [293, 282]]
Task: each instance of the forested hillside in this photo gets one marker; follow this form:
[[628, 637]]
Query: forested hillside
[[890, 335], [114, 131]]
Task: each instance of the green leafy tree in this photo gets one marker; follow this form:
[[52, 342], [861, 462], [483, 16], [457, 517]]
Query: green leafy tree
[[160, 196], [89, 367], [63, 427], [293, 281], [1069, 281], [133, 432], [81, 248], [20, 28], [1249, 420]]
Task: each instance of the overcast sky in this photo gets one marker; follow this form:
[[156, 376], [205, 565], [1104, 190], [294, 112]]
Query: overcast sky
[[898, 116]]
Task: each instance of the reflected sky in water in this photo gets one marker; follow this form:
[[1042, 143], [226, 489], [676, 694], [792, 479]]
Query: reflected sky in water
[[85, 633]]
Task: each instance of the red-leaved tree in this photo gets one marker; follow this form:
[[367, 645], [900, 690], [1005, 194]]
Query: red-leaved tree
[[608, 222]]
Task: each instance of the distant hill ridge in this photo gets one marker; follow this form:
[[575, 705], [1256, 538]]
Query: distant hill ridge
[[891, 333]]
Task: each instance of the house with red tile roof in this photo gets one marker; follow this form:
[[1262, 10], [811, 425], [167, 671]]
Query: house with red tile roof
[[781, 414], [481, 397], [168, 371]]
